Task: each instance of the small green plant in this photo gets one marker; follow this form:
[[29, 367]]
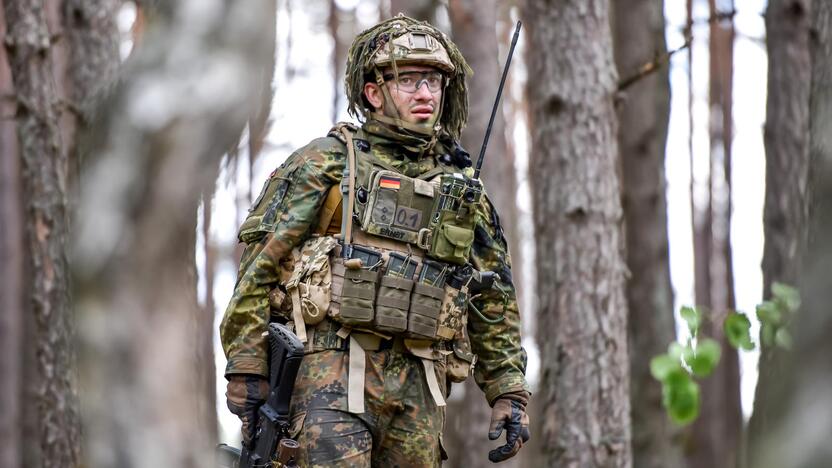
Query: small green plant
[[677, 368], [682, 364], [776, 314]]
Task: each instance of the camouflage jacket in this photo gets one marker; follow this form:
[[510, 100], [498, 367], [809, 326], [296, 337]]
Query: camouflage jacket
[[306, 176]]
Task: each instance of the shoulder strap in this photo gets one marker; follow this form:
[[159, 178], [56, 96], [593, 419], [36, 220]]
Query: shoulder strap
[[432, 173], [346, 217]]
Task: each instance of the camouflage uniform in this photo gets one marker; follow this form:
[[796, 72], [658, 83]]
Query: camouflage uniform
[[402, 424]]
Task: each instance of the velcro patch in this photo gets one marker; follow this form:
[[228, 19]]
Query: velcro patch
[[389, 182]]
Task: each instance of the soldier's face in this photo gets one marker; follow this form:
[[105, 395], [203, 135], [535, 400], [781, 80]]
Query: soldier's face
[[418, 106]]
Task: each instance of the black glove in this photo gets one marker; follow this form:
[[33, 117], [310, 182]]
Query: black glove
[[245, 394], [509, 413]]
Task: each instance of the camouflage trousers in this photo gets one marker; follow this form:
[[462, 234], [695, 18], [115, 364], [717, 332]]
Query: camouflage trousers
[[401, 425]]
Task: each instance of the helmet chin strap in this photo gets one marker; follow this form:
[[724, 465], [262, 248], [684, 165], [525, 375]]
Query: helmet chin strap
[[397, 120]]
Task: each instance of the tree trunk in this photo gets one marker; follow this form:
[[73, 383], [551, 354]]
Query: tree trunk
[[424, 10], [794, 435], [44, 183], [584, 384], [207, 368], [474, 27], [716, 433], [159, 141], [642, 137], [91, 43], [12, 297], [787, 174]]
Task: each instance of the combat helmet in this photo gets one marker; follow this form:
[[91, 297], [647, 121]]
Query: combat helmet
[[405, 41]]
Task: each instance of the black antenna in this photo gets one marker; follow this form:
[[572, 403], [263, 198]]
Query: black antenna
[[497, 101]]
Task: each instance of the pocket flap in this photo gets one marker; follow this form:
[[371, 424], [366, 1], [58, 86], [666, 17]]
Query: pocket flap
[[457, 236]]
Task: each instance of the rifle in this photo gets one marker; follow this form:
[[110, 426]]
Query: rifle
[[272, 435]]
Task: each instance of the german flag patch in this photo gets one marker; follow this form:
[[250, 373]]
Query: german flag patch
[[389, 182]]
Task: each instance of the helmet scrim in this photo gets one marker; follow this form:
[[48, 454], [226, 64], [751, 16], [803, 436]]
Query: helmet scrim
[[404, 41]]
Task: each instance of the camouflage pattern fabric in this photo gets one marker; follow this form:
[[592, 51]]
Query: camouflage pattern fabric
[[293, 211], [401, 427]]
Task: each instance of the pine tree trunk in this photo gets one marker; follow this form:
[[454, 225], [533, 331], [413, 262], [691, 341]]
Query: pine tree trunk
[[206, 366], [424, 10], [11, 270], [44, 184], [716, 433], [787, 174], [582, 333], [795, 434], [642, 136], [145, 403]]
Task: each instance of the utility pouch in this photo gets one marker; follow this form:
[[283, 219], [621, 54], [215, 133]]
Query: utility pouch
[[460, 363], [451, 233], [452, 317], [358, 286], [452, 243], [310, 285], [452, 314], [394, 294], [426, 301]]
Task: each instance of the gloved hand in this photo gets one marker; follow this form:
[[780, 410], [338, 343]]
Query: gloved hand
[[244, 396], [509, 413]]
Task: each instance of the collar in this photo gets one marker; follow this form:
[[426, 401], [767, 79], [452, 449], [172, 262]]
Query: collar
[[413, 145]]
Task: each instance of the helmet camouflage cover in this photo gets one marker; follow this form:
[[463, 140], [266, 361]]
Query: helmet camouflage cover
[[405, 41]]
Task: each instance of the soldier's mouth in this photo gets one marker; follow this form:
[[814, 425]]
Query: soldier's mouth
[[422, 111]]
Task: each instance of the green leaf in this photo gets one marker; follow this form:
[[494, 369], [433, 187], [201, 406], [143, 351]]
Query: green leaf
[[737, 329], [769, 312], [783, 339], [675, 350], [705, 358], [680, 396], [663, 365], [789, 295], [692, 317], [767, 332]]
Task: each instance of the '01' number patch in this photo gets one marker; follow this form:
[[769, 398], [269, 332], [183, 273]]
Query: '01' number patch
[[408, 218]]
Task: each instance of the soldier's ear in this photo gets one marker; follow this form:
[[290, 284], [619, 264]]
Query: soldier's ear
[[374, 96]]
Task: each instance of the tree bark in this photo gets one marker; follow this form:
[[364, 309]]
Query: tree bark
[[642, 136], [715, 438], [44, 183], [12, 297], [584, 384], [474, 26], [424, 10], [207, 370], [91, 42], [792, 436], [787, 176], [157, 147]]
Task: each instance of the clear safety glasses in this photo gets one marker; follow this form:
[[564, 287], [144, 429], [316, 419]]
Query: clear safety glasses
[[411, 81]]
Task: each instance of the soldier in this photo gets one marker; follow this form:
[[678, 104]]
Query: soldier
[[371, 242]]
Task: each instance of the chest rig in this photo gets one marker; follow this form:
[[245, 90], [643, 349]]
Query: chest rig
[[393, 269]]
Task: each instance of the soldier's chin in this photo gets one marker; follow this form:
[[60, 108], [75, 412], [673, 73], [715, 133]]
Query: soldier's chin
[[426, 121]]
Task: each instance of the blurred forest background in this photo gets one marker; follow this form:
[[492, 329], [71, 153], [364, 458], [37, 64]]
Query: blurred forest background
[[649, 154]]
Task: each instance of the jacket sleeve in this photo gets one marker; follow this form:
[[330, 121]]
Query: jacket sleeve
[[501, 360], [290, 216]]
